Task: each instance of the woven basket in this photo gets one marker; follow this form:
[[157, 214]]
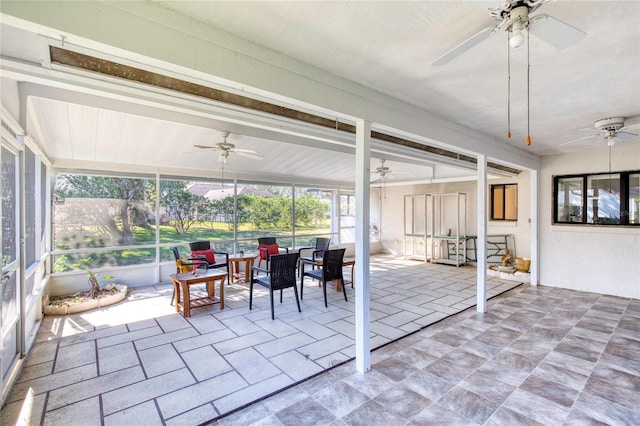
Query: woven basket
[[523, 264]]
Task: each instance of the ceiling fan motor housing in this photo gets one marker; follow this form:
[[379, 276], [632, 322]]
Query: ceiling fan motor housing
[[612, 124]]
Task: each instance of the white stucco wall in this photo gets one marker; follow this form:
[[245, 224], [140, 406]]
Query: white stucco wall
[[591, 258], [392, 211]]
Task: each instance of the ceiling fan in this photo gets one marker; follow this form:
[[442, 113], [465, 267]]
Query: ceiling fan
[[385, 172], [225, 148], [514, 19], [610, 129]]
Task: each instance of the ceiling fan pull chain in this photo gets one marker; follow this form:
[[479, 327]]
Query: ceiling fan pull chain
[[609, 143], [508, 86], [528, 84]]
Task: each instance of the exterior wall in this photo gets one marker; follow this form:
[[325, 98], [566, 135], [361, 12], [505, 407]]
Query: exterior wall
[[591, 258], [392, 212]]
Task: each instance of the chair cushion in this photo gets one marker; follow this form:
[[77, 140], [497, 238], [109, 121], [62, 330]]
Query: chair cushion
[[208, 254], [271, 249]]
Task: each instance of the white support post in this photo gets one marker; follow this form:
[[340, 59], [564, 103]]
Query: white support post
[[363, 148], [535, 269], [481, 297]]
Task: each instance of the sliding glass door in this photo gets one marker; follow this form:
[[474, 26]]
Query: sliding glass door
[[10, 306]]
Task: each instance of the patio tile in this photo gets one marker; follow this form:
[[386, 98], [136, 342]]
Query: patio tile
[[326, 346], [252, 366], [173, 322], [306, 412], [205, 362], [340, 398], [284, 344], [372, 383], [35, 371], [590, 409], [128, 337], [468, 404], [403, 401], [42, 352], [389, 332], [163, 339], [277, 328], [400, 318], [27, 411], [285, 398], [204, 340], [251, 393], [562, 375], [128, 396], [372, 413], [436, 414], [206, 324], [198, 415], [240, 325], [145, 413], [93, 387], [53, 381], [94, 335], [394, 368], [296, 365], [117, 357], [535, 407], [159, 360], [227, 346], [189, 396], [506, 416], [83, 413], [248, 416]]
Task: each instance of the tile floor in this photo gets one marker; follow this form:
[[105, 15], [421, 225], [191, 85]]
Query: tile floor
[[139, 362]]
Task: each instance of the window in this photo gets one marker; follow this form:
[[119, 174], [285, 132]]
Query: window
[[597, 199], [504, 202]]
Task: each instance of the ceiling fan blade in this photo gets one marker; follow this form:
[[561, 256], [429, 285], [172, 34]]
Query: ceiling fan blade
[[249, 153], [625, 135], [205, 147], [555, 32], [578, 140], [465, 45]]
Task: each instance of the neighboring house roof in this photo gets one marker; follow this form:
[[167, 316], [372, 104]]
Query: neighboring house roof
[[217, 192]]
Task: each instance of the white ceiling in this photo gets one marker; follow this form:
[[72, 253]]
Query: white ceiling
[[388, 46]]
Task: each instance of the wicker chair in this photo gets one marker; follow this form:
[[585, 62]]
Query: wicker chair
[[331, 270], [267, 247], [281, 275], [312, 254], [221, 261]]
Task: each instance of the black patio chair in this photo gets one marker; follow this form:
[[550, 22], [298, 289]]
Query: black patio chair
[[314, 253], [220, 258], [281, 275], [267, 247], [331, 270], [311, 255]]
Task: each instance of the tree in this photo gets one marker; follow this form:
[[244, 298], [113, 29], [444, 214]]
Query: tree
[[125, 192], [182, 206]]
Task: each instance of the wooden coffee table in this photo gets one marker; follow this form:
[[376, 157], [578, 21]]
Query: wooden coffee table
[[234, 266], [182, 282]]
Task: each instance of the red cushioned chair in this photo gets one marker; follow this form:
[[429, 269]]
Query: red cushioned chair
[[202, 251], [267, 246]]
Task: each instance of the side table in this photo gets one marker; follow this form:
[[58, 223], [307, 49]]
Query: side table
[[234, 264], [182, 282]]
